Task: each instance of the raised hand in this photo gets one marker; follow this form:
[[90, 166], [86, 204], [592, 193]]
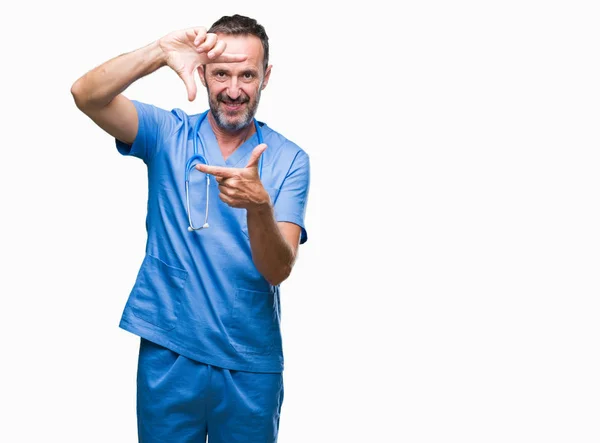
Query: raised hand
[[240, 187], [187, 49]]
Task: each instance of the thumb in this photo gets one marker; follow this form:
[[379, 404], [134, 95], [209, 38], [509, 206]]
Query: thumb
[[190, 84], [255, 156]]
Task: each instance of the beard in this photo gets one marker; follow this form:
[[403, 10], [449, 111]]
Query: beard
[[238, 120]]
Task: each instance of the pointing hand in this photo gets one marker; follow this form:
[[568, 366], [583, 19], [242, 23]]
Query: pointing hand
[[240, 187]]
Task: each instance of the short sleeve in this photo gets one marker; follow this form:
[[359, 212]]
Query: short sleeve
[[151, 122], [290, 205]]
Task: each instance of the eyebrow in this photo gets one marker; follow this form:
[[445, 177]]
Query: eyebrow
[[228, 71]]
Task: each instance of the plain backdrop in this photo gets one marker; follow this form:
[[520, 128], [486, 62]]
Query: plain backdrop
[[449, 289]]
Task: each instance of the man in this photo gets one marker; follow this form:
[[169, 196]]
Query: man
[[206, 299]]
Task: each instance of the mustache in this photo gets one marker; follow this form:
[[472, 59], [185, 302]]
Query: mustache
[[223, 97]]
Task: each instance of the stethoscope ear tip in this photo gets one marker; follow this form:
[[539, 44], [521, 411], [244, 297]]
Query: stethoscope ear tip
[[190, 228]]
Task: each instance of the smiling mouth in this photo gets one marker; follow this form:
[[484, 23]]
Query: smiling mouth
[[233, 106]]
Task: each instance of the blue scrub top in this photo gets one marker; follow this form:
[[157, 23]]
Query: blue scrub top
[[199, 293]]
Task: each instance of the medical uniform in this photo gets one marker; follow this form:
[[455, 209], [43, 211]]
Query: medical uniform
[[211, 352]]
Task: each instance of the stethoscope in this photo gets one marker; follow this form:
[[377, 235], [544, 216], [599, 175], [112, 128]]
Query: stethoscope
[[202, 159]]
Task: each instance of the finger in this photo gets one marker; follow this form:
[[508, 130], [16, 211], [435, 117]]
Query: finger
[[228, 200], [230, 182], [217, 50], [217, 171], [226, 191], [255, 156], [208, 44], [230, 58], [190, 84], [223, 182], [200, 35]]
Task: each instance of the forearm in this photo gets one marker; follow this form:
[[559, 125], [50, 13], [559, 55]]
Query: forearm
[[101, 85], [273, 256]]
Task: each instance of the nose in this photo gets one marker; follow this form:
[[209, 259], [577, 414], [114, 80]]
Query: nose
[[233, 90]]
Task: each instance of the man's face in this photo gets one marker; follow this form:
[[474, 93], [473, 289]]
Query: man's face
[[234, 88]]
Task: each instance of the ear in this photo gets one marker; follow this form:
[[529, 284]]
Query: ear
[[267, 76], [201, 74]]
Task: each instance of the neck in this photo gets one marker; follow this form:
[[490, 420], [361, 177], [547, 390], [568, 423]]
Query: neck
[[229, 141]]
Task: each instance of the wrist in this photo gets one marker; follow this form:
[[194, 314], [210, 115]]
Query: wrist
[[261, 209], [157, 53]]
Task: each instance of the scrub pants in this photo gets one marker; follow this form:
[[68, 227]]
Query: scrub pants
[[181, 400]]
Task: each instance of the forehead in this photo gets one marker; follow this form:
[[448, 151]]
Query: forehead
[[249, 45]]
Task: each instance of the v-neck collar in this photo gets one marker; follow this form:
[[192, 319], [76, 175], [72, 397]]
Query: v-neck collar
[[213, 151]]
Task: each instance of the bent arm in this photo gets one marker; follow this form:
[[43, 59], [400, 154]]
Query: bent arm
[[274, 245], [98, 93]]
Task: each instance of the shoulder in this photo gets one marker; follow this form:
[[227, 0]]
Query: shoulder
[[281, 148], [174, 115], [181, 115]]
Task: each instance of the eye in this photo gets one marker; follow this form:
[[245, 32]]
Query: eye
[[220, 74], [248, 75]]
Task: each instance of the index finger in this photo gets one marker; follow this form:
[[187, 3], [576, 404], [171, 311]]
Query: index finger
[[217, 171], [230, 58]]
